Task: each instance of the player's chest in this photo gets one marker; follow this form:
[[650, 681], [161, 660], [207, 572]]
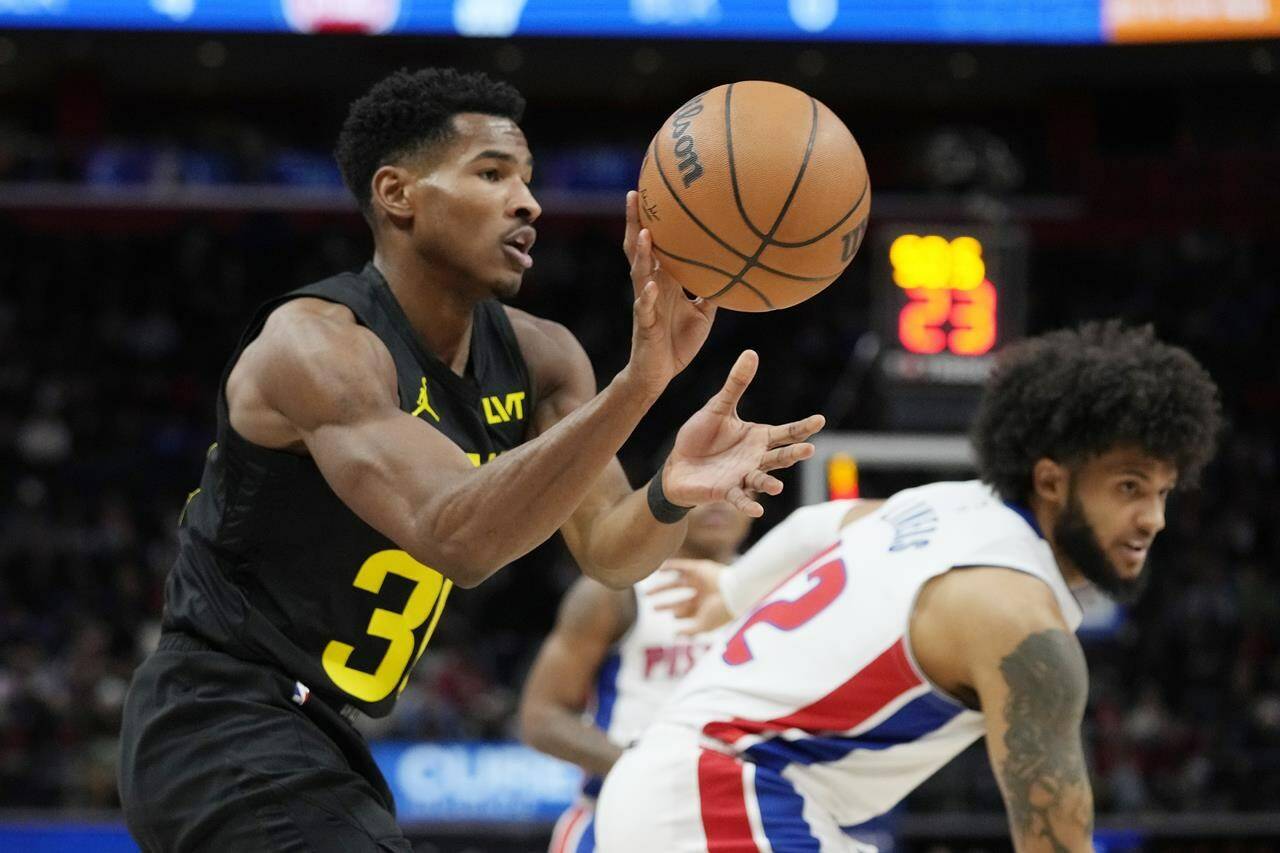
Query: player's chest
[[483, 415]]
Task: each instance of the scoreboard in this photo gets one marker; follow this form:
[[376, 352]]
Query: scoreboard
[[944, 299]]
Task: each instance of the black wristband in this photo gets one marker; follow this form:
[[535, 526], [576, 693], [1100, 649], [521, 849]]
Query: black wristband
[[663, 510]]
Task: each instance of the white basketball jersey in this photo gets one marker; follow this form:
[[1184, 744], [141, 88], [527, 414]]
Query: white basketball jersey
[[643, 669], [818, 682]]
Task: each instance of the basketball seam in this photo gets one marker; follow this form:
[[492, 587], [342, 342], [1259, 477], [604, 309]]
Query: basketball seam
[[714, 269], [727, 273], [759, 293], [657, 165], [737, 198], [733, 169], [857, 204], [691, 261], [765, 241]]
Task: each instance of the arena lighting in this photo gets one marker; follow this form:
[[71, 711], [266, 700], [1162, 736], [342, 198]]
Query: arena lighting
[[842, 477]]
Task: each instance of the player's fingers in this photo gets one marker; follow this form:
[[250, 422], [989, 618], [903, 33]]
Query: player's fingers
[[697, 575], [796, 430], [785, 457], [725, 402], [669, 287], [759, 481], [646, 314], [680, 582], [680, 609], [633, 225], [642, 260], [743, 502]]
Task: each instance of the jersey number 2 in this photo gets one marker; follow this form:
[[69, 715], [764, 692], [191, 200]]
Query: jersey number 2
[[430, 591], [789, 615]]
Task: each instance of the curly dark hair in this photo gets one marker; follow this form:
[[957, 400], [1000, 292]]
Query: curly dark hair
[[409, 110], [1076, 393]]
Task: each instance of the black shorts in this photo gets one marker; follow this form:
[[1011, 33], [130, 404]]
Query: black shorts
[[215, 755]]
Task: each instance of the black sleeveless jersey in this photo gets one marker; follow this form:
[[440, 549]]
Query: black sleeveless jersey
[[273, 567]]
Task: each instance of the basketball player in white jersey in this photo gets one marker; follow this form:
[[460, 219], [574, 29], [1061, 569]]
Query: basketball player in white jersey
[[607, 666], [874, 655]]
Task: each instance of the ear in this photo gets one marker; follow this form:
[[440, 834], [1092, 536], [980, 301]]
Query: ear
[[390, 193], [1050, 481]]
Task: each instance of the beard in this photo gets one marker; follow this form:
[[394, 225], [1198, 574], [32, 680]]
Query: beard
[[1074, 535]]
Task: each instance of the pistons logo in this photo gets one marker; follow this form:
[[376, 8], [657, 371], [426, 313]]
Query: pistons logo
[[341, 16]]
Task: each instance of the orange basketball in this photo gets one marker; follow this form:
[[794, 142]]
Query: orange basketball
[[756, 195]]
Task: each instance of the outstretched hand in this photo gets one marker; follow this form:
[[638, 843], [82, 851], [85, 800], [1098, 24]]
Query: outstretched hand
[[669, 327], [704, 608], [719, 456]]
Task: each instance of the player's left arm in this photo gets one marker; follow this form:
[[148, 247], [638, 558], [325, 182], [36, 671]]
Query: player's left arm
[[1030, 677], [613, 534]]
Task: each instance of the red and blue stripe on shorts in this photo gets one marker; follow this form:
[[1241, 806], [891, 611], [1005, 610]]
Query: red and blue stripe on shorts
[[742, 798]]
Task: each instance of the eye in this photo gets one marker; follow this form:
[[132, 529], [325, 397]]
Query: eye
[[491, 175], [1128, 488]]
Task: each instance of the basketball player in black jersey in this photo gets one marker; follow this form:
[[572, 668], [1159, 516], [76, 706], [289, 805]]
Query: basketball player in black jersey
[[381, 437]]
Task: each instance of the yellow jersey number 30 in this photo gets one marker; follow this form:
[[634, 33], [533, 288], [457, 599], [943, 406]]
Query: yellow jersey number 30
[[430, 591]]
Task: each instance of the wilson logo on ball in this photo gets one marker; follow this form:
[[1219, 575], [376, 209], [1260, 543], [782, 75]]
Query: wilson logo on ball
[[690, 168]]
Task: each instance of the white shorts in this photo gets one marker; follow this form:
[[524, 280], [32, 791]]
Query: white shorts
[[669, 793]]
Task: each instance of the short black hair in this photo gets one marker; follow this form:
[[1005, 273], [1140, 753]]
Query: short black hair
[[1076, 393], [409, 110]]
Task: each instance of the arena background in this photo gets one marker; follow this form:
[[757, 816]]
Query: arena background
[[165, 166]]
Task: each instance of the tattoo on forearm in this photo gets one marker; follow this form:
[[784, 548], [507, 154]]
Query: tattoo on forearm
[[1043, 773]]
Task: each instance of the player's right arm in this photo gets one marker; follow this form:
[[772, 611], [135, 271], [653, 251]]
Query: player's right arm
[[997, 637], [316, 382], [592, 618]]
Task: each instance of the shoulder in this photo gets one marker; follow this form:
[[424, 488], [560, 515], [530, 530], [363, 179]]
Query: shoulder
[[313, 349], [968, 622], [541, 338], [970, 526], [995, 596], [990, 613], [553, 354]]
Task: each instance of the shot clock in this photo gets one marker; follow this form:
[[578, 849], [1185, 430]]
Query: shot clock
[[945, 298]]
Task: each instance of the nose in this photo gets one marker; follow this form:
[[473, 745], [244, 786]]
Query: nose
[[1151, 518], [524, 205]]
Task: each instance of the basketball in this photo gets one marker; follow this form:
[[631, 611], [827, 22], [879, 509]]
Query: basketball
[[756, 195]]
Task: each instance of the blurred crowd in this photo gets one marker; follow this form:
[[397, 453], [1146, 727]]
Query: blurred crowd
[[113, 333]]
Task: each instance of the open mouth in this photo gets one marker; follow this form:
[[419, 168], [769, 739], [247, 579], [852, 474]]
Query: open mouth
[[1136, 552], [517, 245]]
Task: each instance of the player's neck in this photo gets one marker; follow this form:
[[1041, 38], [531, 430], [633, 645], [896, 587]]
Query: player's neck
[[438, 313]]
